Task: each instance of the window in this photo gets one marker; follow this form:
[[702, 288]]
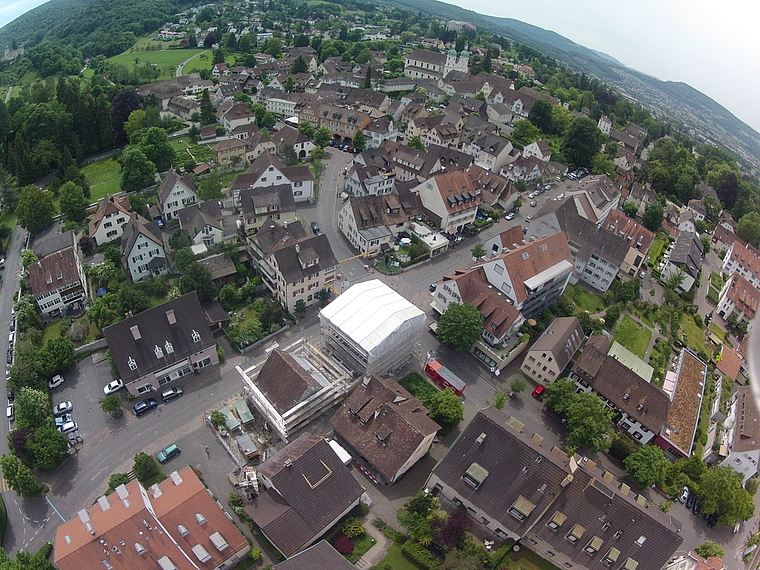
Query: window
[[132, 364], [567, 565], [556, 521], [498, 269], [550, 554], [575, 534], [521, 508]]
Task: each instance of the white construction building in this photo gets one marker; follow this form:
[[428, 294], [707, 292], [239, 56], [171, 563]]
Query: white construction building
[[370, 328]]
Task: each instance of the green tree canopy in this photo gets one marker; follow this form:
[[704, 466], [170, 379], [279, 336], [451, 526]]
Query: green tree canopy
[[558, 395], [32, 409], [137, 171], [20, 478], [629, 290], [359, 140], [478, 250], [35, 208], [446, 409], [460, 326], [721, 492], [526, 132], [145, 467], [653, 216], [589, 422], [417, 144], [72, 202], [111, 404], [582, 141], [749, 228], [709, 548], [299, 65], [322, 137], [154, 144], [47, 448], [648, 465], [57, 356], [197, 278], [541, 115]]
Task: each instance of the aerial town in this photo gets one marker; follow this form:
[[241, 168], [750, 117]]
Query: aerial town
[[359, 296]]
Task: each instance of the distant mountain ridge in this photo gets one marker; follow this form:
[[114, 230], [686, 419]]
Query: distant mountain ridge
[[675, 99]]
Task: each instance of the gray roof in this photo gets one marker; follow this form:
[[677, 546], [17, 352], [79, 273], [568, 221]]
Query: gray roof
[[196, 216], [292, 260], [171, 324], [313, 488], [558, 339], [321, 556], [220, 265], [52, 244], [551, 484], [280, 195], [136, 226], [168, 183], [687, 253]]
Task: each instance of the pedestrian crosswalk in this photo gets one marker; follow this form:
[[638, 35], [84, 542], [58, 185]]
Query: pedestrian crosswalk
[[3, 485]]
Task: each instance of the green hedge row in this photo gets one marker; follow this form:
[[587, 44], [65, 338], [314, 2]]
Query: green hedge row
[[418, 554]]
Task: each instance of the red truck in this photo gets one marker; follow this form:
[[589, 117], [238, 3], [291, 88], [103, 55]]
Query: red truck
[[444, 377]]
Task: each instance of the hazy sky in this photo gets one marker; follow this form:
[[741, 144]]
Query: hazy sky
[[712, 46]]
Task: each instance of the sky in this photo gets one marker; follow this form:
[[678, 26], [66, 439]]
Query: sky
[[712, 46]]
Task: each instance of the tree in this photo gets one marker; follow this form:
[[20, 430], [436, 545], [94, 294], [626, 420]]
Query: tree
[[417, 514], [630, 209], [124, 102], [749, 228], [300, 308], [72, 202], [630, 290], [154, 144], [9, 191], [417, 144], [721, 492], [653, 216], [589, 422], [32, 409], [28, 257], [145, 467], [207, 109], [526, 132], [197, 278], [322, 137], [307, 129], [541, 115], [217, 419], [137, 171], [20, 478], [359, 141], [35, 208], [209, 40], [135, 122], [368, 76], [452, 532], [116, 480], [648, 465], [478, 251], [57, 356], [111, 404], [582, 141], [179, 239], [446, 409], [517, 385], [183, 258], [602, 164], [460, 326], [47, 448], [299, 65], [499, 400], [708, 549]]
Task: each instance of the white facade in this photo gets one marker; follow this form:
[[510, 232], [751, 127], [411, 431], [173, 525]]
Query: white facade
[[596, 271], [139, 257], [740, 259], [179, 197], [111, 227]]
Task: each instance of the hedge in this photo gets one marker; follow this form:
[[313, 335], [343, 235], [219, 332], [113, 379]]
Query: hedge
[[418, 554]]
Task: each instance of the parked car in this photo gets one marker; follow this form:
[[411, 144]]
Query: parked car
[[527, 219], [55, 381], [144, 406], [68, 427], [561, 195], [534, 203], [510, 216], [11, 337], [114, 386], [166, 454], [10, 412], [538, 392], [684, 496], [432, 287], [315, 228], [63, 419], [10, 395], [170, 393], [9, 356], [691, 500], [532, 195], [63, 408]]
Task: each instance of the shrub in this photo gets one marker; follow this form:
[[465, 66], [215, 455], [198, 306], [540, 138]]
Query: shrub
[[420, 555], [353, 528], [255, 554], [623, 446], [343, 544]]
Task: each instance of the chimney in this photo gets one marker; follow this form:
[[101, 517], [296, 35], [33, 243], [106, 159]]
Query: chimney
[[288, 463], [170, 317], [135, 332]]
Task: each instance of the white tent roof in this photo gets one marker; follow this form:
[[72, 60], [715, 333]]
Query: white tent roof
[[370, 313]]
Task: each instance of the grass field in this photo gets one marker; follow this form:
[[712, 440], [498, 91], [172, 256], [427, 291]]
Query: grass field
[[166, 60], [397, 559], [103, 177], [655, 251], [646, 317], [633, 336], [716, 280], [584, 301], [719, 332], [713, 296], [198, 63], [695, 336]]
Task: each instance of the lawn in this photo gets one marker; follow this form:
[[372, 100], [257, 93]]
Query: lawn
[[713, 296], [719, 332], [199, 153], [646, 316], [104, 177], [397, 560], [655, 251], [584, 301], [694, 335], [198, 63], [716, 280], [166, 60], [633, 336]]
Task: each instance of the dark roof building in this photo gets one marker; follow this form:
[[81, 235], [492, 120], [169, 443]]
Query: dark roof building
[[308, 489], [567, 510], [53, 244], [161, 344], [321, 556], [385, 425]]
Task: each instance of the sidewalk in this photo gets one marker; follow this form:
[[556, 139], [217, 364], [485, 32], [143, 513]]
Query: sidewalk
[[378, 551]]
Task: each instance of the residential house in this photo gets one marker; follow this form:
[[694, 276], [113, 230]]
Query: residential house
[[372, 223], [295, 266], [237, 115], [268, 203], [532, 276], [379, 130], [721, 239], [203, 222], [598, 254], [638, 237], [547, 358], [693, 561], [540, 149], [307, 491], [630, 137], [686, 221], [450, 200], [193, 83], [494, 188], [54, 244], [419, 126], [287, 136], [379, 416], [161, 345], [342, 122], [565, 509], [107, 224], [743, 259], [504, 241], [369, 181], [268, 170], [183, 107], [142, 249], [698, 209], [727, 221], [370, 328], [174, 193], [685, 387], [411, 164], [624, 159], [445, 135], [604, 124], [58, 283], [320, 556], [222, 270], [176, 523], [739, 298], [526, 168], [741, 443], [501, 320], [640, 407], [641, 197], [598, 196], [686, 259], [491, 152]]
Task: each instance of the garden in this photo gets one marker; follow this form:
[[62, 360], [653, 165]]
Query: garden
[[166, 60], [633, 336], [584, 300], [104, 177]]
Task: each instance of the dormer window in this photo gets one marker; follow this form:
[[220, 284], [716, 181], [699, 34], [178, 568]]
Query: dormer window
[[593, 545], [556, 521], [168, 347], [158, 351], [576, 533], [132, 364], [196, 336]]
